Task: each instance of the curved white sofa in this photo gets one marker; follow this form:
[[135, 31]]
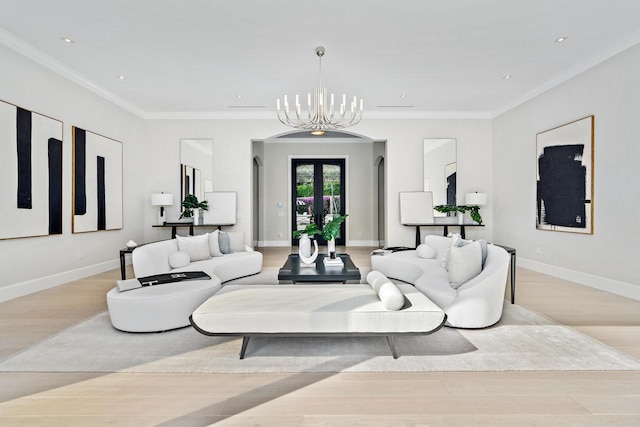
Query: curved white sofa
[[477, 303], [168, 306]]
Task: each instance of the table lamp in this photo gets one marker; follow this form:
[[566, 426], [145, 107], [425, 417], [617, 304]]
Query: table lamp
[[475, 199], [162, 200]]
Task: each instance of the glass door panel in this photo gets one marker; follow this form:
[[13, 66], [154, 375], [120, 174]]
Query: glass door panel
[[318, 193]]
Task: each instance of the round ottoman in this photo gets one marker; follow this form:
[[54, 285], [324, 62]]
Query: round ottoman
[[160, 307]]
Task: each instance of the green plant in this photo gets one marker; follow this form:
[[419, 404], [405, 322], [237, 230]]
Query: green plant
[[332, 228], [190, 203], [474, 210], [309, 230]]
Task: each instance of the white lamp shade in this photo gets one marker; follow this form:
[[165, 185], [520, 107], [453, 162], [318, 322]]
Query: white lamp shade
[[162, 199], [477, 199]]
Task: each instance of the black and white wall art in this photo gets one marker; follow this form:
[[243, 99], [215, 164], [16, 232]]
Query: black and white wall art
[[31, 173], [565, 177], [97, 182]]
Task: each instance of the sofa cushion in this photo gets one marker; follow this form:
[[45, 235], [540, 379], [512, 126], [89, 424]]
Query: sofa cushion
[[179, 259], [387, 291], [425, 251], [236, 241], [224, 243], [456, 241], [465, 262], [196, 246], [214, 245]]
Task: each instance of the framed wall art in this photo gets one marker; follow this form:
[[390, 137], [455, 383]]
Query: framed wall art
[[97, 182], [565, 177], [31, 173]]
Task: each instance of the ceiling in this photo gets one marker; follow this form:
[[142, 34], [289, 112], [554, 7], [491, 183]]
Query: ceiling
[[410, 58]]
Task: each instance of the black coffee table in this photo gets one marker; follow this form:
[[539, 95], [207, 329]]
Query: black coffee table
[[293, 272]]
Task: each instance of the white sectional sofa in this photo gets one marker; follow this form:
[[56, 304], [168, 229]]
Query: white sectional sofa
[[168, 306], [476, 303]]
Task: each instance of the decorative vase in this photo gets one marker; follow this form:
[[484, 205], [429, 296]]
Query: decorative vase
[[331, 248], [131, 244], [304, 250], [460, 218]]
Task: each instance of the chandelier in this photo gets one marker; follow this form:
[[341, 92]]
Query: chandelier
[[321, 115]]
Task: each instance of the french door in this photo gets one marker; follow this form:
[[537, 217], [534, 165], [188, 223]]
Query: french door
[[318, 193]]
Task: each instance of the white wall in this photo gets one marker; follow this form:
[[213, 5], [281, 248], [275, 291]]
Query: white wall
[[359, 189], [30, 264], [608, 259]]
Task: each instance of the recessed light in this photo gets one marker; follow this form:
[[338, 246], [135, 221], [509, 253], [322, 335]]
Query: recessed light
[[403, 96], [561, 39], [239, 96], [507, 77], [66, 40], [122, 77]]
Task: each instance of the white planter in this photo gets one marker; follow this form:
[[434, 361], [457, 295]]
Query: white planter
[[304, 250], [331, 248]]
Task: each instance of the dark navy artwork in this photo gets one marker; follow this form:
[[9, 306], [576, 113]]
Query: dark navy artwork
[[31, 173], [97, 182], [564, 185]]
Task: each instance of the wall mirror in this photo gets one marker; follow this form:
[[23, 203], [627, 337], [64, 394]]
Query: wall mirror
[[440, 167], [196, 167]]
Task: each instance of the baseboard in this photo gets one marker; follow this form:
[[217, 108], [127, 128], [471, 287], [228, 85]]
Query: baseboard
[[363, 243], [25, 288], [273, 243], [602, 283]]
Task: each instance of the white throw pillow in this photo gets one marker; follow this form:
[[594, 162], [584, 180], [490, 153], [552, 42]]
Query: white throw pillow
[[456, 241], [236, 241], [214, 246], [425, 251], [390, 296], [196, 246], [179, 259], [465, 263]]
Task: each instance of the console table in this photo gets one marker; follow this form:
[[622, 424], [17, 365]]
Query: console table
[[174, 226], [446, 226]]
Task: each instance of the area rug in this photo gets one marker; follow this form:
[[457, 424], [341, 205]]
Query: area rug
[[521, 341]]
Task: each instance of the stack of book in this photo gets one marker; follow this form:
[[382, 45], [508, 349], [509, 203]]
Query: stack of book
[[333, 262]]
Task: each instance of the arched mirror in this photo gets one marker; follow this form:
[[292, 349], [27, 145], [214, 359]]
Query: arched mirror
[[440, 170], [196, 167]]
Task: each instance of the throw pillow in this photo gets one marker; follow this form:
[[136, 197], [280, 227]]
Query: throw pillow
[[425, 251], [465, 263], [390, 296], [223, 242], [196, 246], [236, 241], [214, 246], [456, 241], [179, 259]]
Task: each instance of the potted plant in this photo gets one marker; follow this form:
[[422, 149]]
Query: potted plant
[[330, 231], [474, 211], [190, 204]]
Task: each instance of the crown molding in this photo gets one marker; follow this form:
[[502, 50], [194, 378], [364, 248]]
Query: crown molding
[[25, 49], [271, 115]]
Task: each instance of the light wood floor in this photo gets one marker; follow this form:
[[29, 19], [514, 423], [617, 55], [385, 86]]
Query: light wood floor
[[424, 399]]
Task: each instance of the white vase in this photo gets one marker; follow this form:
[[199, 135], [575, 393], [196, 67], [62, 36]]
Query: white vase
[[460, 218], [331, 248], [304, 250]]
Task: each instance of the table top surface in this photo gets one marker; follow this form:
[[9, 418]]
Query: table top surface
[[294, 271]]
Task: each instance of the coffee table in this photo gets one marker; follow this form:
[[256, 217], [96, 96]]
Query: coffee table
[[292, 271]]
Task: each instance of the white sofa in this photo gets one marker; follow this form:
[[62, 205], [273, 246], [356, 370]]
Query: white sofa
[[168, 306], [477, 303]]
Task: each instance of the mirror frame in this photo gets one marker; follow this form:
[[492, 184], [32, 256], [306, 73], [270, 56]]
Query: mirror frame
[[439, 175]]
